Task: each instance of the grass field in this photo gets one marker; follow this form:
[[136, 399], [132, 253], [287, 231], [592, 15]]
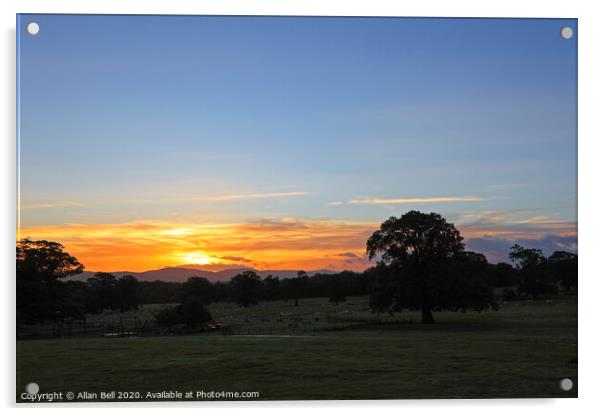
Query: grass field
[[322, 351]]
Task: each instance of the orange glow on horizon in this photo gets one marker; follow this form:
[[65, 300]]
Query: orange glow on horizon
[[289, 243]]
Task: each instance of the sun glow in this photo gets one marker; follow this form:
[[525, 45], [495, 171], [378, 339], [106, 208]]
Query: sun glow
[[198, 257]]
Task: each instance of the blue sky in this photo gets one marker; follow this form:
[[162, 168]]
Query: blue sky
[[186, 118]]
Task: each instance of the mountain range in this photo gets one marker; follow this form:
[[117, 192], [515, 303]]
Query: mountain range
[[182, 273]]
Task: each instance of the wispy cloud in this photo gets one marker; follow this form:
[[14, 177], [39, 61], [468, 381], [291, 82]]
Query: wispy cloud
[[430, 200], [50, 205], [537, 219], [517, 224], [238, 259], [234, 197]]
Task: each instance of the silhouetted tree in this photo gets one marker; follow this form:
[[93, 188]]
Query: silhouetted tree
[[562, 266], [169, 316], [337, 292], [101, 293], [159, 292], [245, 288], [126, 293], [193, 313], [41, 294], [535, 280], [298, 286], [199, 287], [220, 291], [502, 275], [421, 253], [271, 288], [464, 284]]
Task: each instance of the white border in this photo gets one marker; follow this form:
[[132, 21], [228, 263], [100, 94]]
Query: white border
[[590, 48]]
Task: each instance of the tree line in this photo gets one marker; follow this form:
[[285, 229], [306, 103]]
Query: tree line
[[421, 264]]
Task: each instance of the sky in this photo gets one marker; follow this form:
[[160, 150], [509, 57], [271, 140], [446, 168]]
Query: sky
[[283, 142]]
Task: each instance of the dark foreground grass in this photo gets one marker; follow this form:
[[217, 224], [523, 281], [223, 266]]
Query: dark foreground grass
[[523, 350]]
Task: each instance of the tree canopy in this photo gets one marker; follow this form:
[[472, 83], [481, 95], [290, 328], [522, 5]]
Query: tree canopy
[[44, 261], [422, 265], [41, 295], [538, 275], [245, 288]]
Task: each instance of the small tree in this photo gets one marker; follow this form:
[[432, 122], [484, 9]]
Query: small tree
[[101, 293], [193, 313], [563, 268], [298, 286], [245, 288], [502, 275], [168, 317], [271, 288], [127, 293], [531, 264], [337, 290], [199, 287]]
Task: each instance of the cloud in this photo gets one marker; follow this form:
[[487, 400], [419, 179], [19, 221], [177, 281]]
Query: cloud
[[349, 254], [159, 198], [538, 219], [430, 200], [512, 224], [236, 258], [235, 197], [50, 205], [335, 203], [496, 249], [489, 216], [354, 261], [494, 232]]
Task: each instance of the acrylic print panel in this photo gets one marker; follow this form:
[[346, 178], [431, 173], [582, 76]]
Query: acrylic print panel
[[295, 208]]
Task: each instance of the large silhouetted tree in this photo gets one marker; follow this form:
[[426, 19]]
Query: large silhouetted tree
[[422, 265], [41, 294]]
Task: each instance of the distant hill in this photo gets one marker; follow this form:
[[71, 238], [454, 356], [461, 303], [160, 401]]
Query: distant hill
[[181, 273]]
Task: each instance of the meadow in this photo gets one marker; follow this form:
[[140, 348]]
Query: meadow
[[319, 350]]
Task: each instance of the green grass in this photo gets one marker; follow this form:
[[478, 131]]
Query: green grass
[[322, 351]]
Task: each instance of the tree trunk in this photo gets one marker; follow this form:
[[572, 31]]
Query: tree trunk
[[427, 315]]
